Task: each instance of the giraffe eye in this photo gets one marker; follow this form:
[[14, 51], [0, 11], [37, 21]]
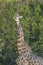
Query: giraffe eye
[[19, 41]]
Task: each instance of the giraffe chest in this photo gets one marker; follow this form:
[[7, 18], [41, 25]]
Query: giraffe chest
[[28, 58], [22, 48]]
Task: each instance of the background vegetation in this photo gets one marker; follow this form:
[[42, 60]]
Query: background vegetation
[[32, 23]]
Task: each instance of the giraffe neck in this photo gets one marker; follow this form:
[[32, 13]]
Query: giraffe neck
[[20, 32], [20, 40]]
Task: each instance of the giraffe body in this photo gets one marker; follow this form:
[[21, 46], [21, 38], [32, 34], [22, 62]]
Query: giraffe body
[[29, 59], [26, 56]]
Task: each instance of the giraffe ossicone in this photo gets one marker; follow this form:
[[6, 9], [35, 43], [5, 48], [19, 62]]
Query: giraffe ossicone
[[26, 56]]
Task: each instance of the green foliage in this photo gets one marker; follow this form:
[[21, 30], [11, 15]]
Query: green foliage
[[32, 23]]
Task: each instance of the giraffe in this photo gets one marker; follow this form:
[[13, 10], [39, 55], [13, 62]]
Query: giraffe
[[26, 56]]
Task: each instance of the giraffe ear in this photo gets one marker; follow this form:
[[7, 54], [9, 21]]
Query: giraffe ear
[[21, 17]]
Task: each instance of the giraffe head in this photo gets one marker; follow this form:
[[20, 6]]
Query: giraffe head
[[17, 17]]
